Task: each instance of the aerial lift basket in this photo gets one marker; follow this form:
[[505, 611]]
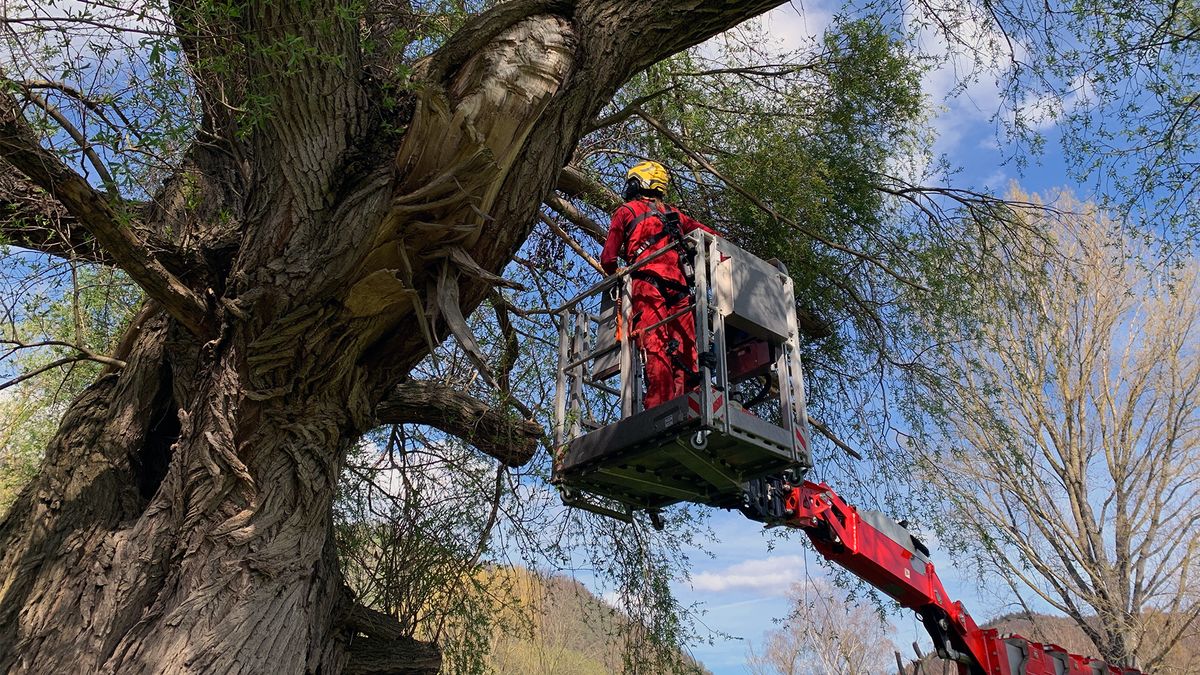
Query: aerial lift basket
[[744, 419]]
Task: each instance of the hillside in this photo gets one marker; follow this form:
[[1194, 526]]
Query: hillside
[[572, 632]]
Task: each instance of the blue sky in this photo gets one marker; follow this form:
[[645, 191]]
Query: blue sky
[[743, 584]]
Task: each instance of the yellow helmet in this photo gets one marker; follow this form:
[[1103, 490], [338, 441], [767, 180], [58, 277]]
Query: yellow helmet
[[649, 176]]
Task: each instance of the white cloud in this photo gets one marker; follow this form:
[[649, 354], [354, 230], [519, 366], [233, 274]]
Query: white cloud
[[964, 90], [966, 82], [774, 573], [783, 30], [996, 181], [797, 23], [741, 603], [614, 599], [56, 35]]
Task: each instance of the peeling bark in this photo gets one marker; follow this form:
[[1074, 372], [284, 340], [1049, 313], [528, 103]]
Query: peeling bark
[[182, 520]]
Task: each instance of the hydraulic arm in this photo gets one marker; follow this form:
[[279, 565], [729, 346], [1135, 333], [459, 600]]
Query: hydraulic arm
[[886, 555]]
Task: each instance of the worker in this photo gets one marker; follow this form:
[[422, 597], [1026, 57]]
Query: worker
[[639, 227]]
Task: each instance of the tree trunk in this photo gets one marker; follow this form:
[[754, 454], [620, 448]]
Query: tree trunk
[[181, 522]]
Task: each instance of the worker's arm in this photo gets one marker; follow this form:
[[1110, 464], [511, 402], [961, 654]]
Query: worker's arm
[[616, 235], [689, 223]]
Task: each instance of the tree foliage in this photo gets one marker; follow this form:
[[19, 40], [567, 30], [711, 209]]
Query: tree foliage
[[61, 320], [805, 156], [1111, 88], [312, 197]]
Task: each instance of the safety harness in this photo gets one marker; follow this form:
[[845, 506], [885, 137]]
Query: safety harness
[[672, 291]]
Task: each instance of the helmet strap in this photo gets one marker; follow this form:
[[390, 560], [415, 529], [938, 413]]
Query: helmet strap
[[633, 189]]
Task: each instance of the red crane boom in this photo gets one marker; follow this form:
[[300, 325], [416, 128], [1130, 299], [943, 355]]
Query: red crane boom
[[887, 556]]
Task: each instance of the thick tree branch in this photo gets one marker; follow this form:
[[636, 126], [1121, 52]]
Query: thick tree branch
[[655, 30], [20, 147], [574, 183], [378, 647], [524, 86], [490, 429], [581, 220], [32, 219]]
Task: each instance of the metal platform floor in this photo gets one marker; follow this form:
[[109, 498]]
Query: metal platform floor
[[665, 455]]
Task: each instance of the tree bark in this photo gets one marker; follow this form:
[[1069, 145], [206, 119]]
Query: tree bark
[[181, 522], [490, 429]]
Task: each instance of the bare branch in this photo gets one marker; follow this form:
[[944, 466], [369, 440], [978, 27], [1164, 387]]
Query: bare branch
[[573, 183], [1078, 401], [80, 139], [828, 433], [65, 361], [570, 241], [84, 353], [581, 220], [512, 347], [629, 110], [88, 102], [32, 219]]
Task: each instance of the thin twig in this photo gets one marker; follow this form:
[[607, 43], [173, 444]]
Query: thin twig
[[38, 371], [570, 241], [629, 110], [85, 354], [88, 102], [827, 433], [78, 136]]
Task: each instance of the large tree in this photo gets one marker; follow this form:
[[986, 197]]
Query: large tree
[[337, 209], [1072, 448]]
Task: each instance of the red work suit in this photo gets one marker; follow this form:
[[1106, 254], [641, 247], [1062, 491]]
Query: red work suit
[[659, 290]]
